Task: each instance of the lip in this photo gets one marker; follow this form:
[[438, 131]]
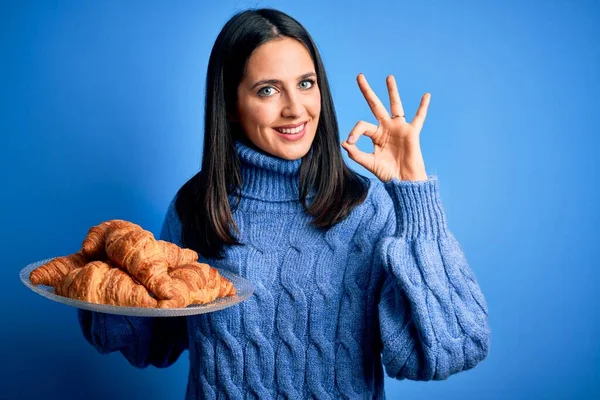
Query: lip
[[292, 137], [291, 126]]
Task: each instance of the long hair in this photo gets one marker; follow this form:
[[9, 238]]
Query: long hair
[[202, 202]]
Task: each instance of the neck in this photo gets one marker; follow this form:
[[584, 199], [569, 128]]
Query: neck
[[267, 177]]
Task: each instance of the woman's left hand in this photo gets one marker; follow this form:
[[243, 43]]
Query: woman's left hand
[[397, 151]]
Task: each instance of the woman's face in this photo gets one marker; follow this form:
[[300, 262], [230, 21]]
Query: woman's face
[[279, 102]]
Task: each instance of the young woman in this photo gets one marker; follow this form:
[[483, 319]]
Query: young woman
[[352, 275]]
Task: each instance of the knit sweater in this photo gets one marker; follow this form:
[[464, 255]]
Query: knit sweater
[[386, 288]]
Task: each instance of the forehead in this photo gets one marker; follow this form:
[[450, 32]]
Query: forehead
[[279, 58]]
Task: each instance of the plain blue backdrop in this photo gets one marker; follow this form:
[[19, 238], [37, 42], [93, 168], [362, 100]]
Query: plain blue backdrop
[[101, 110]]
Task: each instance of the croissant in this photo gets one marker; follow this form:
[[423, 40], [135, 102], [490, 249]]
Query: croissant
[[136, 251], [196, 283], [93, 245], [95, 242], [226, 287], [52, 272], [99, 282], [176, 255]]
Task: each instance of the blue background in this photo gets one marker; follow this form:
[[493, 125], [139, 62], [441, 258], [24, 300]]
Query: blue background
[[101, 111]]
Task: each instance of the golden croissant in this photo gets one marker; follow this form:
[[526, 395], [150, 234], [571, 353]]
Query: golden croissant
[[136, 251], [197, 283], [52, 272], [95, 242], [176, 255], [101, 283]]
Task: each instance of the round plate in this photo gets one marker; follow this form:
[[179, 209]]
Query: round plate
[[244, 289]]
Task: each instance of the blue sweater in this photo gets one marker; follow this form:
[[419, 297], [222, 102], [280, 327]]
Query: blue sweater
[[388, 287]]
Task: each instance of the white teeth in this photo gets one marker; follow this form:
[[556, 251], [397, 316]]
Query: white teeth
[[291, 131]]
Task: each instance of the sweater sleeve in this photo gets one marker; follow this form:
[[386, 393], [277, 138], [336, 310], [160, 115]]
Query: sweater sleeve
[[433, 317], [143, 341]]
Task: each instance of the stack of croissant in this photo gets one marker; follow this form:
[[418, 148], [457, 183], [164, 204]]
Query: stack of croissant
[[122, 264]]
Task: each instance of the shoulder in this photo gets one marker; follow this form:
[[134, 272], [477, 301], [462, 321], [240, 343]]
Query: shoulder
[[181, 208], [377, 210], [171, 226], [379, 198]]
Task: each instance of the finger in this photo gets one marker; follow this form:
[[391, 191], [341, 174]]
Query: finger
[[375, 104], [361, 128], [395, 102], [419, 119], [364, 159]]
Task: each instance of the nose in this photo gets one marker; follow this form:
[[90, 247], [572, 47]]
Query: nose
[[292, 106]]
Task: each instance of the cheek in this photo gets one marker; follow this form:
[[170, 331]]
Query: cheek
[[255, 114], [315, 104]]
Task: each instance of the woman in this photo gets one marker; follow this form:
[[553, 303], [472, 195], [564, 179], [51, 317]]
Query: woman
[[352, 275]]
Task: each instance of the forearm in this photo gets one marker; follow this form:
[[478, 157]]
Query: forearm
[[143, 341], [430, 288]]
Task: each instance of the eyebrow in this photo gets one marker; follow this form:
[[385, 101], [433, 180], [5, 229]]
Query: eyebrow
[[276, 81]]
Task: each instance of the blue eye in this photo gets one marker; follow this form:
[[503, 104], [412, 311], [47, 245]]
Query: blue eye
[[304, 82], [262, 91]]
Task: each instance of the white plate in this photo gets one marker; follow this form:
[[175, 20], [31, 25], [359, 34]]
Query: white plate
[[244, 289]]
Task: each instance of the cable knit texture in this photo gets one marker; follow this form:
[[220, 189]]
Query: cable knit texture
[[387, 288]]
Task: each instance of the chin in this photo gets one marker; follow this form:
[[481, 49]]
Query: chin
[[290, 154], [292, 151]]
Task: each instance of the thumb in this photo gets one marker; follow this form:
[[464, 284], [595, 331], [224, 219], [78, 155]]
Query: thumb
[[364, 159]]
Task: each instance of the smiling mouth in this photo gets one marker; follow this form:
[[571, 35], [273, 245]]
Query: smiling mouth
[[291, 131]]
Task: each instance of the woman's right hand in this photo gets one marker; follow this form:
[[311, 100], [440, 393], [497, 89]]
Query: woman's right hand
[[106, 332]]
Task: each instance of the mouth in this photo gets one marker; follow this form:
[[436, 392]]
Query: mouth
[[291, 130], [292, 133]]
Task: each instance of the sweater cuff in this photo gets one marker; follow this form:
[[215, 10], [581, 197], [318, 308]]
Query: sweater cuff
[[418, 207]]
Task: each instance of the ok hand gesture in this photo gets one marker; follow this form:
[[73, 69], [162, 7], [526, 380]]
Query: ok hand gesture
[[397, 151]]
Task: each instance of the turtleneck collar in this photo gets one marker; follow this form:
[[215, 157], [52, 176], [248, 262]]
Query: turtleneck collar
[[266, 177]]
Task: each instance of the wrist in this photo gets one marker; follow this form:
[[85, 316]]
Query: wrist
[[412, 167], [415, 171], [413, 176]]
